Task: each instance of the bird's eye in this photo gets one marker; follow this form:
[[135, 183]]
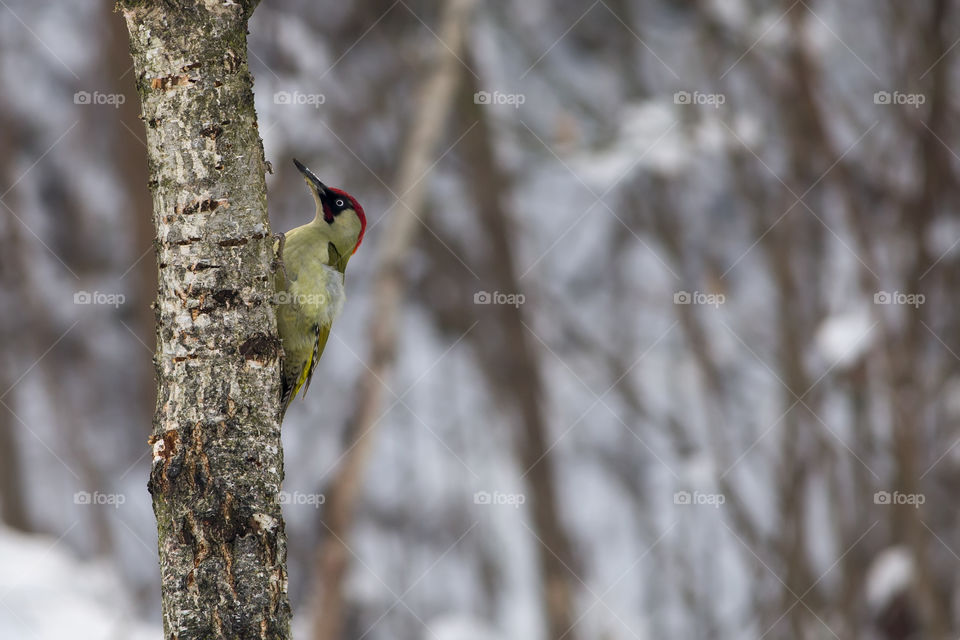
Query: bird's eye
[[339, 203]]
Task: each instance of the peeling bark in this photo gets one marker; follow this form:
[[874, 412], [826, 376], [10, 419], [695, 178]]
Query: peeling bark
[[217, 458]]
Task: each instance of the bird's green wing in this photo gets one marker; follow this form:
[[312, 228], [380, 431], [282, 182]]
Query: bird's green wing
[[335, 260], [322, 335], [292, 386]]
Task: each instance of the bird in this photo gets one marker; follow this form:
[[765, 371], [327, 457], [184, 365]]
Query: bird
[[309, 284]]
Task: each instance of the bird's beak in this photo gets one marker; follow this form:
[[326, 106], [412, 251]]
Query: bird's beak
[[312, 180]]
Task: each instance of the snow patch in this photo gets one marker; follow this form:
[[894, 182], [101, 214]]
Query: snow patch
[[733, 14], [649, 137], [890, 573], [459, 627], [943, 237], [843, 338], [49, 595]]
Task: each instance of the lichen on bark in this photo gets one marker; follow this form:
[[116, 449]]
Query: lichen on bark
[[217, 457]]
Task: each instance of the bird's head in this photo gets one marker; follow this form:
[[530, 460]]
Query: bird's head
[[338, 209]]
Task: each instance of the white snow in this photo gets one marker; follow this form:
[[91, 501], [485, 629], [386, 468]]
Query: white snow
[[843, 338], [733, 14], [943, 237], [47, 594], [890, 573], [459, 627], [649, 137]]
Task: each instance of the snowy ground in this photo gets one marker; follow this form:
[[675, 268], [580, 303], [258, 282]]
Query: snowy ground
[[48, 594]]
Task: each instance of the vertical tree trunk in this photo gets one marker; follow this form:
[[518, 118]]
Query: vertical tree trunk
[[436, 98], [13, 504], [520, 376], [217, 460], [131, 166]]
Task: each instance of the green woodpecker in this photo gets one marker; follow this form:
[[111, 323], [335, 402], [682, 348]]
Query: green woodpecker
[[309, 285]]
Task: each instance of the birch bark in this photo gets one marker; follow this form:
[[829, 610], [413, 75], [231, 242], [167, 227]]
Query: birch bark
[[217, 459]]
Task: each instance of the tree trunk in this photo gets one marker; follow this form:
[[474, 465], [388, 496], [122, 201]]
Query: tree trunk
[[217, 458], [14, 511], [129, 162], [517, 370], [436, 98]]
